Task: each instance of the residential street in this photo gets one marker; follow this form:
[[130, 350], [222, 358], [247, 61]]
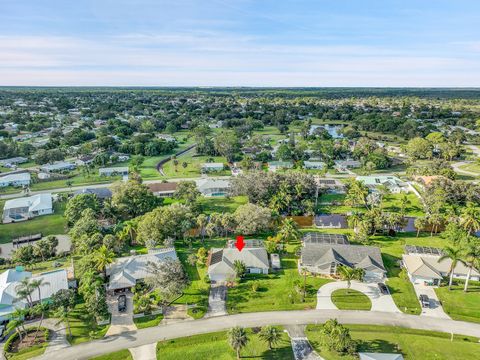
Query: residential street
[[151, 335]]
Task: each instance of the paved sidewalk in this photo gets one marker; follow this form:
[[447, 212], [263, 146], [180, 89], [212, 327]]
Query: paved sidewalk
[[144, 352], [379, 301]]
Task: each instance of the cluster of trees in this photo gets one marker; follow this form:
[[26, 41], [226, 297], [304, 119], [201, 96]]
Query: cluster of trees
[[238, 338], [41, 250], [435, 144], [292, 193], [372, 156]]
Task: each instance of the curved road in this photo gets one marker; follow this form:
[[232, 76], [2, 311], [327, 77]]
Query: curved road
[[188, 328]]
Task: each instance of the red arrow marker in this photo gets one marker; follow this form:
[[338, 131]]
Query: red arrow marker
[[240, 244]]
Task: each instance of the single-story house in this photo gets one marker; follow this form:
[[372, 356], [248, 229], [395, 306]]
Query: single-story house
[[84, 160], [209, 167], [58, 166], [253, 255], [314, 165], [423, 266], [332, 186], [322, 238], [321, 258], [331, 221], [125, 272], [213, 187], [54, 281], [102, 193], [18, 179], [13, 161], [25, 208], [342, 165], [393, 183], [165, 189], [380, 356], [166, 137], [277, 165], [112, 171]]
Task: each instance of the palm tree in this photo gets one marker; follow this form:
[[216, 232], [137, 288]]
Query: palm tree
[[404, 202], [270, 335], [61, 314], [103, 257], [435, 220], [129, 231], [37, 284], [470, 218], [289, 231], [456, 256], [39, 309], [472, 260], [24, 291], [348, 274], [202, 222], [420, 224], [237, 338], [17, 322], [354, 220], [240, 268]]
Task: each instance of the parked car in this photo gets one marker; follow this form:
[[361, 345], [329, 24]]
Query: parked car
[[383, 288], [424, 301], [122, 303]]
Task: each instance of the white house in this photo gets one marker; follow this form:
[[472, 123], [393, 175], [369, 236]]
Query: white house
[[125, 272], [314, 165], [21, 179], [221, 261], [277, 165], [393, 183], [25, 208], [53, 281], [13, 161], [112, 171], [209, 167], [58, 166], [213, 187]]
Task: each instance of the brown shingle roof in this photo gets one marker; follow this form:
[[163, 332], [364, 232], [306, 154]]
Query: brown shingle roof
[[157, 187]]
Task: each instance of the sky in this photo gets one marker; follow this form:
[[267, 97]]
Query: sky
[[264, 43]]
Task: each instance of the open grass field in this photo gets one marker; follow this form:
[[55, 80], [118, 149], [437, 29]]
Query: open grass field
[[349, 299], [276, 291], [117, 355], [215, 346], [460, 305], [221, 204], [192, 169], [473, 167], [148, 321], [413, 344], [78, 179], [47, 225]]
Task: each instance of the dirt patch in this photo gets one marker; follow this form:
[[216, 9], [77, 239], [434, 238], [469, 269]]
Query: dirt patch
[[29, 340]]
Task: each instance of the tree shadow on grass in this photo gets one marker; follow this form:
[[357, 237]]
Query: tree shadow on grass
[[377, 346]]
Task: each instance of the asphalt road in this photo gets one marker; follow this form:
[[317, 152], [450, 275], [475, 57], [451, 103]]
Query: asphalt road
[[181, 329]]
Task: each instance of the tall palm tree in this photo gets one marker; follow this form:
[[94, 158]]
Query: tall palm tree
[[202, 222], [103, 257], [129, 231], [420, 224], [39, 309], [470, 218], [289, 231], [456, 256], [237, 338], [17, 322], [472, 260], [37, 284], [24, 291], [270, 335], [348, 274], [354, 220], [435, 220]]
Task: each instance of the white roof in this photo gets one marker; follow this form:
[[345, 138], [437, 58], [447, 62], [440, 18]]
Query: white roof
[[114, 169], [16, 177], [222, 259], [58, 166], [380, 356], [34, 203], [212, 165], [430, 267], [125, 271], [205, 184]]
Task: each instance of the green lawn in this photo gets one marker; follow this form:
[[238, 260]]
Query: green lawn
[[221, 204], [460, 305], [413, 344], [117, 355], [148, 321], [193, 166], [29, 353], [215, 346], [349, 299], [276, 290], [473, 167], [83, 327], [47, 225], [392, 204]]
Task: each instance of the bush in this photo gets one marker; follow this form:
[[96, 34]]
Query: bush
[[12, 339]]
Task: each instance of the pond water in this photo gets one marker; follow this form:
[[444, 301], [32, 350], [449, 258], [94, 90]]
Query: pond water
[[331, 129]]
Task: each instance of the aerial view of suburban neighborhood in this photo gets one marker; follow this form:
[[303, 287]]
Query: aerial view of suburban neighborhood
[[239, 179]]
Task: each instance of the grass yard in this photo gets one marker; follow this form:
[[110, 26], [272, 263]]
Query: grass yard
[[193, 166], [148, 321], [117, 355], [413, 344], [215, 346], [460, 305], [276, 291], [83, 327], [78, 179], [221, 204], [473, 167], [349, 299], [392, 203], [47, 225]]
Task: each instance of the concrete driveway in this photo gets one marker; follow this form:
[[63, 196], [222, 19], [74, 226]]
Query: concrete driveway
[[217, 299], [301, 347], [144, 352], [379, 301], [120, 322], [435, 309]]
